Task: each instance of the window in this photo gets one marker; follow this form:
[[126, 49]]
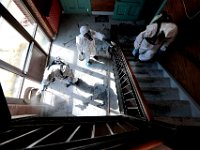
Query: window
[[13, 47], [22, 15], [16, 8], [42, 39], [37, 64], [20, 54], [11, 83]]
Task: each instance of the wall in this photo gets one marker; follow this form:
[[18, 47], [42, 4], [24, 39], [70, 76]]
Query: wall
[[19, 109], [182, 59], [47, 13], [149, 10]]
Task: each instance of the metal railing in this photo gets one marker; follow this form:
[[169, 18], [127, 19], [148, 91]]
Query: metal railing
[[68, 133]]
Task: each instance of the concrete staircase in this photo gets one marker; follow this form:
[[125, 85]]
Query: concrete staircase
[[163, 98]]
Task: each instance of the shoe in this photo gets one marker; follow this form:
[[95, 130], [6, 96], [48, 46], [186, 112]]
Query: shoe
[[67, 85], [95, 57], [89, 63], [135, 52], [77, 82]]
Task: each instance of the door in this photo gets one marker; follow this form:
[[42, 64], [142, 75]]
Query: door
[[76, 6], [84, 6], [128, 10]]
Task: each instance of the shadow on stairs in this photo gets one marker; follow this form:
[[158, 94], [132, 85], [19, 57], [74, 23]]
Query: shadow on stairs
[[162, 98]]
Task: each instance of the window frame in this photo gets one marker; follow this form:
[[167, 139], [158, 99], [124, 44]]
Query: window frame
[[32, 42]]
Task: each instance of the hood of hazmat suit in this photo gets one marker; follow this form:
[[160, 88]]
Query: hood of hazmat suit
[[84, 30]]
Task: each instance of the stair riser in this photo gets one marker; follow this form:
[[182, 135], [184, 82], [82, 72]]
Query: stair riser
[[172, 108], [154, 83], [140, 64], [167, 94]]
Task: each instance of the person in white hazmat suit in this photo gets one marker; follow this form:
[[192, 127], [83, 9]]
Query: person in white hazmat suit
[[157, 37], [85, 43], [60, 71]]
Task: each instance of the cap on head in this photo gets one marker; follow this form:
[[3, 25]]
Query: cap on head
[[84, 30]]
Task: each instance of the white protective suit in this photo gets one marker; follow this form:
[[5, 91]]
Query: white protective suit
[[86, 46], [147, 50], [57, 72]]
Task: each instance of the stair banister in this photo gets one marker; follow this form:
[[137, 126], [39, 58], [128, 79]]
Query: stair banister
[[136, 88]]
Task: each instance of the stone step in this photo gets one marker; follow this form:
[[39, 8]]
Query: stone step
[[143, 64], [130, 58], [140, 72], [188, 121], [145, 69], [160, 93], [127, 49], [153, 82], [128, 54], [170, 108]]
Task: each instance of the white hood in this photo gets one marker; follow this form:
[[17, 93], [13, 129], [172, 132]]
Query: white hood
[[84, 29]]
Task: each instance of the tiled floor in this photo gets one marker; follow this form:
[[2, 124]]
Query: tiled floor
[[96, 90]]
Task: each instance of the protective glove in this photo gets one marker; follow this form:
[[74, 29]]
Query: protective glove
[[81, 56], [135, 52], [163, 48]]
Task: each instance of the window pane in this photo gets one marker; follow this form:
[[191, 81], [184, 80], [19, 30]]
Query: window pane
[[37, 64], [13, 47], [11, 83], [42, 39], [17, 9]]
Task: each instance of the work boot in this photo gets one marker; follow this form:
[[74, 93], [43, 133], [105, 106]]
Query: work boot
[[95, 57], [89, 63], [77, 81], [67, 85]]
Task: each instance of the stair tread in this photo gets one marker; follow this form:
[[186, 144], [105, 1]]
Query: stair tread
[[148, 72], [146, 69], [127, 52], [152, 79], [130, 58], [143, 66], [153, 85], [153, 82], [147, 75], [175, 108], [157, 93], [171, 101], [177, 121], [127, 48], [159, 89], [147, 64]]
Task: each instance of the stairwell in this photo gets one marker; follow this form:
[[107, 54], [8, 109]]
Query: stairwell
[[164, 96], [130, 130]]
